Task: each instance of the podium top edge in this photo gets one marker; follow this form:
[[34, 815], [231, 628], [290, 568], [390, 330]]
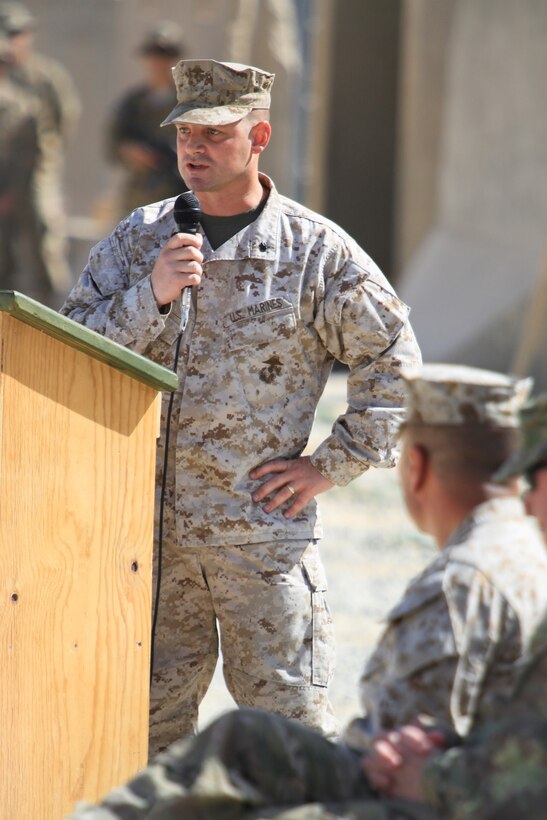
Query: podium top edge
[[60, 327]]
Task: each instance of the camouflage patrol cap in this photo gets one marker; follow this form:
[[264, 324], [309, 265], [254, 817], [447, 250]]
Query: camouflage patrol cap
[[533, 445], [213, 93], [453, 395], [15, 17]]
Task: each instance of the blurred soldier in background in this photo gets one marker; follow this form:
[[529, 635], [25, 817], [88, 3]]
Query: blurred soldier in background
[[43, 220], [136, 141], [501, 771], [531, 459], [253, 764], [18, 160]]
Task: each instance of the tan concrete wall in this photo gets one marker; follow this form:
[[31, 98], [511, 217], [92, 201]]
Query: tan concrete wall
[[480, 230], [425, 42]]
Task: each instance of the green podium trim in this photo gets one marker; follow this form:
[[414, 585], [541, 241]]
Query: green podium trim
[[88, 341]]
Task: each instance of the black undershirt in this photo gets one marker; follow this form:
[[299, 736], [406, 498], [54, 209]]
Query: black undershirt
[[218, 229]]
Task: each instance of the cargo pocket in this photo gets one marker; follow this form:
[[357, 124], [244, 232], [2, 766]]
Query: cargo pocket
[[323, 644]]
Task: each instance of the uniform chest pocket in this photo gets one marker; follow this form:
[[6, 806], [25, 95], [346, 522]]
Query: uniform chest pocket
[[264, 349]]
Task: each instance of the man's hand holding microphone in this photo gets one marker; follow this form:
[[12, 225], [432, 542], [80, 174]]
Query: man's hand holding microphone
[[179, 264]]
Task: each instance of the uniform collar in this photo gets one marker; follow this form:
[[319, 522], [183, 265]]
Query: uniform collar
[[495, 509], [258, 240]]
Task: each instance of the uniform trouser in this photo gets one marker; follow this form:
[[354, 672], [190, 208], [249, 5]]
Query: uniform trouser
[[251, 764], [276, 634]]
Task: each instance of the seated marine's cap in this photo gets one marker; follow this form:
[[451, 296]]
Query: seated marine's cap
[[15, 17], [213, 93], [448, 394], [533, 445]]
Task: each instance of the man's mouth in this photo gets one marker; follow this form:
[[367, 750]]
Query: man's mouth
[[196, 166]]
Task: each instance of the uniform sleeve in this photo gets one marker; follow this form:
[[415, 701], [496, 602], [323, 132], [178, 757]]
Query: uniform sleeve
[[412, 669], [503, 765], [105, 300], [500, 772], [441, 657], [364, 325]]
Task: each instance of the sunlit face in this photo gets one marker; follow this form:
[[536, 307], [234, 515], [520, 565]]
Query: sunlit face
[[215, 158], [536, 497]]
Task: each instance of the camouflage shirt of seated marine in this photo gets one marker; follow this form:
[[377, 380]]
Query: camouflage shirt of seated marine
[[501, 769], [277, 305], [455, 644]]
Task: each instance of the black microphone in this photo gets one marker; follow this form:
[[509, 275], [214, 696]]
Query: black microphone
[[187, 215]]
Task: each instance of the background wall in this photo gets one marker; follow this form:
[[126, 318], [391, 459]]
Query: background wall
[[419, 125], [474, 257]]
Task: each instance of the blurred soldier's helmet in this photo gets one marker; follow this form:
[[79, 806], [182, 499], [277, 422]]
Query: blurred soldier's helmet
[[164, 39], [15, 18]]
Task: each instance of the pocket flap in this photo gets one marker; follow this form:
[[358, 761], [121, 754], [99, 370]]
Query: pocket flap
[[260, 323]]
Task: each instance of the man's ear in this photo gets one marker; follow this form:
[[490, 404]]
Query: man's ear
[[418, 466], [260, 136]]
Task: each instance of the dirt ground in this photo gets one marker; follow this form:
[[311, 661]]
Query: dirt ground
[[370, 549]]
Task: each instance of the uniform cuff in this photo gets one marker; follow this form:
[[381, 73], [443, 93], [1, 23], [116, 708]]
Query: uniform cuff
[[335, 463]]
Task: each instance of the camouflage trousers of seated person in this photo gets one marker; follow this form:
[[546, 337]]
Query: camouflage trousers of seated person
[[267, 601], [252, 764]]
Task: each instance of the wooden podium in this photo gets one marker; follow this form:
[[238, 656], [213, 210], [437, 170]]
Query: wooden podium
[[79, 418]]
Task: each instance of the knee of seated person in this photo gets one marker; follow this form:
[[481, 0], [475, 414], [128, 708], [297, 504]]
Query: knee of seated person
[[239, 727]]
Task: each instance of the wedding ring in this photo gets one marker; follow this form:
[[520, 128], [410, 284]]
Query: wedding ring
[[290, 489]]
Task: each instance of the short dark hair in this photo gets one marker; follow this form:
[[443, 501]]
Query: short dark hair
[[471, 451]]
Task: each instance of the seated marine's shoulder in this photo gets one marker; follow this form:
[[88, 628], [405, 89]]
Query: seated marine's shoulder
[[421, 591]]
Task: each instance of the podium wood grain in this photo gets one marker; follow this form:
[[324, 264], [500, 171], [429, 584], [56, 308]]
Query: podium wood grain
[[76, 524]]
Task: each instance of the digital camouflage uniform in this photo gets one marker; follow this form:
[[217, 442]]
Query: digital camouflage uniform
[[59, 110], [18, 159], [455, 641], [277, 304], [454, 644], [42, 220], [533, 445]]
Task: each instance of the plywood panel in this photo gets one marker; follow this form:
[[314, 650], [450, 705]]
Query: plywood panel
[[76, 520]]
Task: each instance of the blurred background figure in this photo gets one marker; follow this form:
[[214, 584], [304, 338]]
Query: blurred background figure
[[135, 140], [531, 460], [41, 219], [18, 159]]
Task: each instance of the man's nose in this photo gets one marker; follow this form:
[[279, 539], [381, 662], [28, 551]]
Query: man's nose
[[194, 142]]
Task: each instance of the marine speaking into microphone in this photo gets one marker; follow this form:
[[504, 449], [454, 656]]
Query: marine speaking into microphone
[[287, 293]]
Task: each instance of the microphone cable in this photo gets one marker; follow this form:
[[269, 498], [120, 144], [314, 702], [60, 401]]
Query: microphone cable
[[187, 215], [162, 510]]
